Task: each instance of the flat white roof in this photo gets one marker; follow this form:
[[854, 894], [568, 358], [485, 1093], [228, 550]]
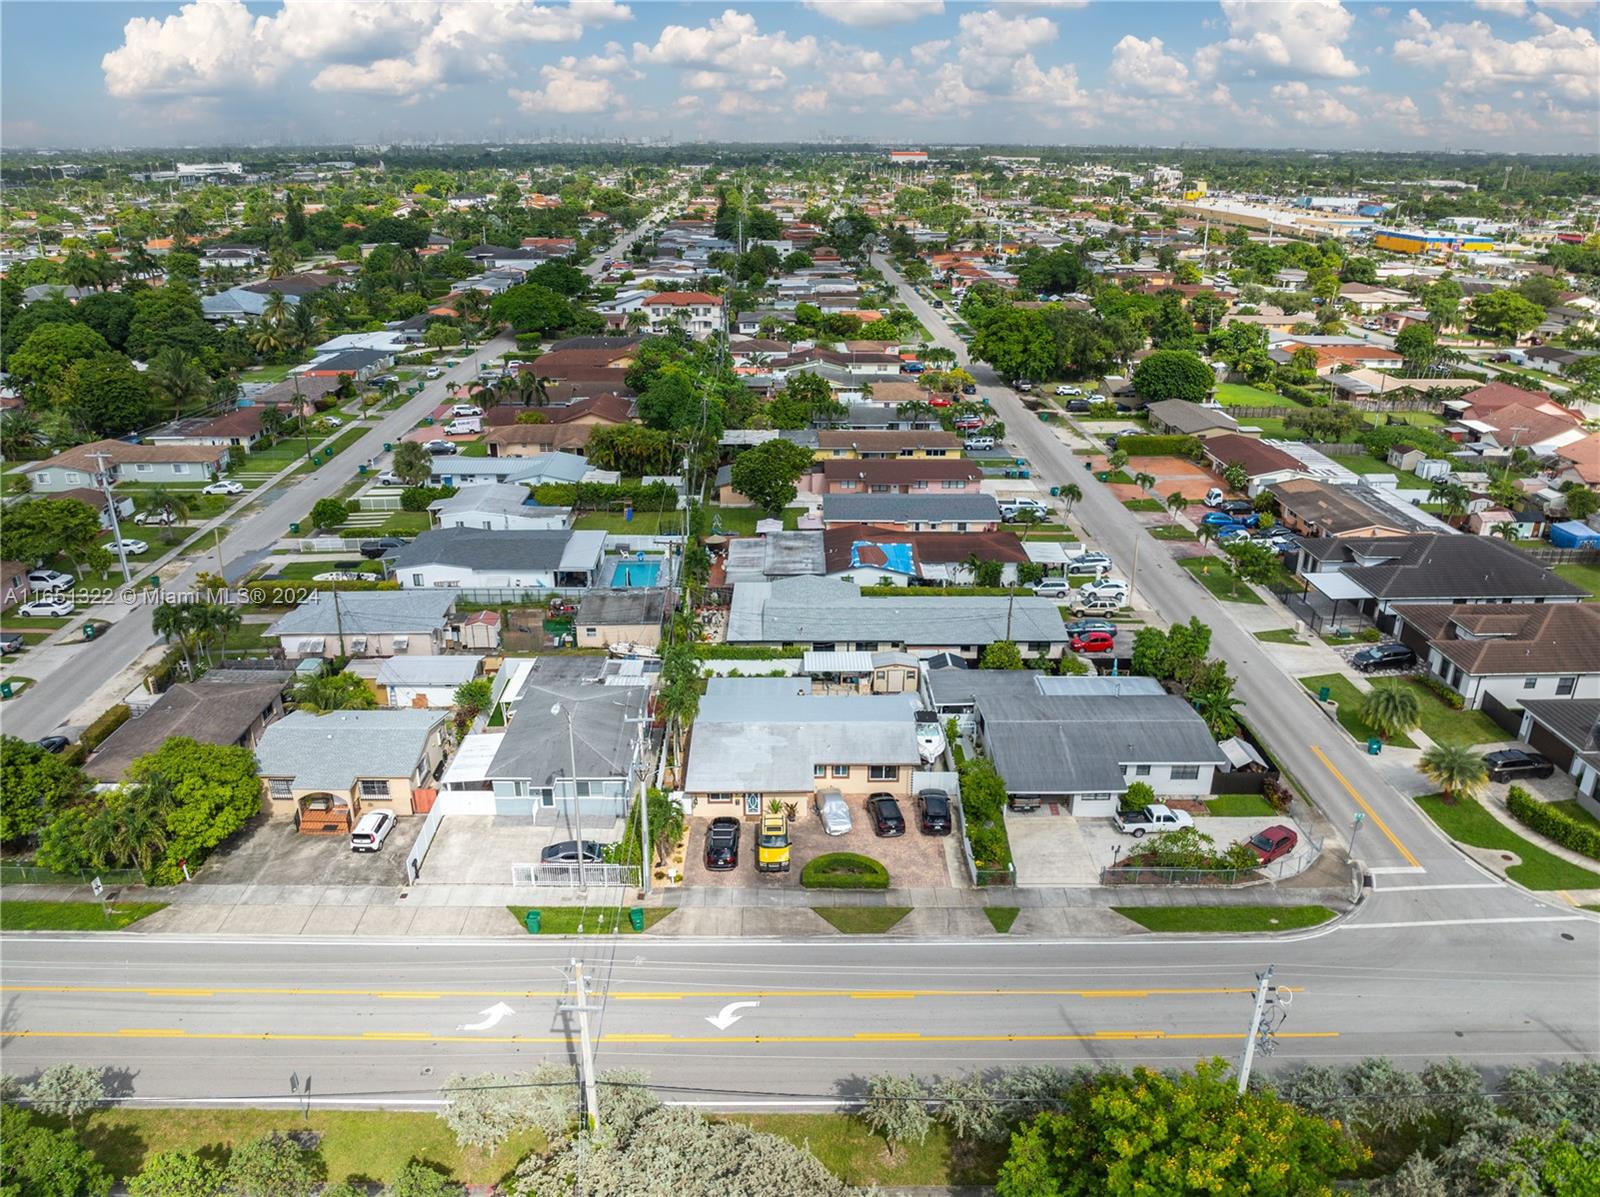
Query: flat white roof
[[1336, 585], [472, 760]]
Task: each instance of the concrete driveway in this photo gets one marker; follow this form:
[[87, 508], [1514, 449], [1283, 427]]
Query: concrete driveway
[[273, 853], [480, 849]]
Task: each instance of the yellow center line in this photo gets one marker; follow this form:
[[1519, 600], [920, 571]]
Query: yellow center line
[[623, 995], [1371, 814]]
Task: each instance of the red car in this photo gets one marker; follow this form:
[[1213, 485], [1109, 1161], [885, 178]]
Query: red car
[[939, 401], [1274, 842], [1093, 642]]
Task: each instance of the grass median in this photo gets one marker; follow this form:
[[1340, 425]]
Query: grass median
[[1346, 693], [1214, 575], [587, 920], [862, 920], [1468, 822], [1225, 918], [73, 916]]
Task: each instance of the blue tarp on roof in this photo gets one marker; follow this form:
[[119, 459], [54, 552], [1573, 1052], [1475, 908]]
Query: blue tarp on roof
[[1573, 534], [896, 558]]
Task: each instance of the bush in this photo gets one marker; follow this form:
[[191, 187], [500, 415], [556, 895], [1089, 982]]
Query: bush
[[328, 513], [1552, 823], [844, 870], [1140, 795], [1301, 394], [600, 496], [417, 498], [1151, 445], [95, 734]]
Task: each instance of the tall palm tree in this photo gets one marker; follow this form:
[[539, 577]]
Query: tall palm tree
[[183, 226], [215, 622], [1456, 769], [1072, 493], [280, 262], [1390, 709], [140, 263], [1145, 482], [266, 338], [1176, 503], [178, 378], [19, 433], [1206, 533], [172, 621], [305, 324], [141, 824], [276, 309]]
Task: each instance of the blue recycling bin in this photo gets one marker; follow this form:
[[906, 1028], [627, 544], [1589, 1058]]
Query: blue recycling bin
[[1374, 745]]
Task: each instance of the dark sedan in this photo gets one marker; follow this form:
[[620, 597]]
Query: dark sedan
[[933, 812], [1512, 763], [885, 814], [566, 852], [722, 844], [1084, 627], [1384, 656], [55, 743]]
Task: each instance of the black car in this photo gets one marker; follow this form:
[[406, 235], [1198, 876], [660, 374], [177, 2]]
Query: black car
[[1513, 762], [1236, 506], [1079, 405], [1384, 656], [54, 743], [722, 844], [566, 852], [885, 814], [968, 388], [1082, 627], [933, 812], [373, 549]]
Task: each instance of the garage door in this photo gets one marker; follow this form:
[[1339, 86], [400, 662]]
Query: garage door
[[513, 806], [1095, 805], [1542, 739]]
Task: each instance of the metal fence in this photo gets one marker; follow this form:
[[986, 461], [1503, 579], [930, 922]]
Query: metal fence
[[1306, 820], [1554, 556], [34, 875], [1214, 878], [571, 876]]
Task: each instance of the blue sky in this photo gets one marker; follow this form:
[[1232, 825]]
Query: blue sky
[[1493, 74]]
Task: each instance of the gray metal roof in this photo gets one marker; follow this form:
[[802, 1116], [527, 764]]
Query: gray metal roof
[[1074, 744], [366, 613], [536, 748], [452, 670], [764, 735], [503, 549], [494, 498], [919, 508], [541, 467], [775, 555], [960, 687], [811, 609], [332, 751]]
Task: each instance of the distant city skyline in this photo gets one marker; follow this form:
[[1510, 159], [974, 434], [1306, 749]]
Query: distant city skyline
[[1312, 74]]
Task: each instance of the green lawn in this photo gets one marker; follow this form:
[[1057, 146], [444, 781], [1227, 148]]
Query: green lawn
[[1443, 724], [72, 916], [1587, 576], [266, 373], [1348, 696], [1279, 636], [848, 1149], [1235, 806], [306, 570], [1272, 426], [1117, 478], [1219, 581], [1225, 918], [345, 439], [1365, 463], [19, 684], [1468, 822], [1233, 394], [279, 456], [644, 523], [475, 449], [1144, 504], [862, 920], [399, 523], [1001, 917], [1171, 532], [595, 920], [741, 521]]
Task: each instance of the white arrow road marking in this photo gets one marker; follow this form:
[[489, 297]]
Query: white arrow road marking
[[725, 1018], [490, 1017]]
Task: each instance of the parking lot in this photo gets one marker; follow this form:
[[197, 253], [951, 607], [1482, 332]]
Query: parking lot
[[914, 860], [272, 852]]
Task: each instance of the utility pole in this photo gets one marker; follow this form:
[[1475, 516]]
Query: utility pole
[[581, 1007], [1265, 1015], [111, 507]]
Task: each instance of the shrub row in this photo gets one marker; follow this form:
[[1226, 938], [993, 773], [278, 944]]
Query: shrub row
[[95, 734], [1302, 394], [417, 498], [844, 870], [1152, 445], [749, 652], [1552, 823]]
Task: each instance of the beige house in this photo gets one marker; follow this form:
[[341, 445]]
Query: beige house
[[326, 771], [370, 623], [607, 617], [862, 673], [757, 739]]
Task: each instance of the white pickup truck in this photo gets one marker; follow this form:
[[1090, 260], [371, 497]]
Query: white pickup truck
[[1152, 818]]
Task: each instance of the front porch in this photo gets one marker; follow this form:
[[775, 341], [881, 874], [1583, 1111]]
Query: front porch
[[323, 813]]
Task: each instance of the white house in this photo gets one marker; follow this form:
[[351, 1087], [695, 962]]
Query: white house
[[496, 560], [696, 312]]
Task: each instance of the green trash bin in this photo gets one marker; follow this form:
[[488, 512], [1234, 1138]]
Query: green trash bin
[[636, 917], [361, 469], [387, 446], [5, 689], [1324, 693], [294, 529], [88, 631], [1374, 745], [531, 922]]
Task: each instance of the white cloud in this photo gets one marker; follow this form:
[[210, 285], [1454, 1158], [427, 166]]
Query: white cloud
[[1146, 68], [1506, 8], [568, 90], [1301, 37], [1315, 109], [1562, 57], [1570, 8], [389, 47], [875, 14], [928, 53], [991, 33], [731, 43], [811, 100]]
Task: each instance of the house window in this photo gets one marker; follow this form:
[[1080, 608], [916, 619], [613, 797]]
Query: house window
[[879, 488], [883, 773], [819, 770], [841, 770], [1141, 771], [848, 484], [919, 485], [416, 580], [142, 467], [180, 467], [358, 644], [752, 804], [279, 787], [719, 797], [374, 788], [934, 453], [1528, 683], [952, 484], [1186, 773], [1565, 686]]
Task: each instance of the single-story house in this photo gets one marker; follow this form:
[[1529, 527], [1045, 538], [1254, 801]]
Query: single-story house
[[1580, 461], [325, 771], [423, 682], [759, 739], [1312, 507], [627, 616], [1501, 654], [1179, 416], [868, 444], [869, 554], [901, 476], [238, 305], [862, 673], [358, 363], [238, 429], [936, 512], [827, 614], [1262, 462], [528, 469], [226, 706], [368, 623], [529, 440], [1567, 730], [97, 500], [498, 506], [484, 560], [171, 464]]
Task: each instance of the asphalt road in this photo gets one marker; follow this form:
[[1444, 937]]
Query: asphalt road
[[69, 674], [373, 1022]]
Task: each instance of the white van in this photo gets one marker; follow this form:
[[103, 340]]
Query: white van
[[464, 426], [1214, 496], [371, 830]]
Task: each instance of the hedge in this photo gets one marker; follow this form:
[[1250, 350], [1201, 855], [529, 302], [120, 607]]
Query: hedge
[[1141, 444], [844, 870], [749, 652], [1552, 823], [599, 496], [417, 498], [1302, 394], [95, 734]]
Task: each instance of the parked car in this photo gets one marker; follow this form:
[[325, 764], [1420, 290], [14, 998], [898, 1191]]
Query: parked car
[[1236, 506], [55, 743], [833, 810], [566, 852], [1384, 656], [371, 830], [1273, 842], [441, 448], [10, 642], [1011, 508], [968, 388], [772, 845], [373, 549], [1154, 817], [1232, 533], [466, 409], [390, 478], [433, 372], [968, 423], [1079, 406], [978, 444], [1099, 604], [1511, 763], [884, 811], [1054, 588], [1091, 562], [1093, 642], [466, 426], [46, 606], [129, 545], [1022, 384], [1114, 586], [930, 736], [722, 844], [49, 579], [333, 421], [155, 519], [1215, 496], [223, 487], [1082, 627], [1221, 519], [933, 812]]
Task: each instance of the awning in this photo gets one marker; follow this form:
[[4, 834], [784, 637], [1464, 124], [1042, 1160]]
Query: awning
[[1241, 754], [1336, 586]]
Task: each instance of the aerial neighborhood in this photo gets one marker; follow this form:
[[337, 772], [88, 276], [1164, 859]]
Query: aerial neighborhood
[[435, 543]]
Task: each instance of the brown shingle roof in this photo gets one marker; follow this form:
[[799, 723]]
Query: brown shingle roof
[[121, 453], [1520, 638], [875, 441], [1332, 510], [1255, 456]]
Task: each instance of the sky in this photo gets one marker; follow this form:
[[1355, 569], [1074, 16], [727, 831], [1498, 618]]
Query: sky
[[1481, 74]]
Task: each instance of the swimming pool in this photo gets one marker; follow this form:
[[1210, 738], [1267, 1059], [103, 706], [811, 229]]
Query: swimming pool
[[635, 573]]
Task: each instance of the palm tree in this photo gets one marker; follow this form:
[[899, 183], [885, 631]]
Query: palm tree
[[1176, 503], [1456, 769], [213, 621], [1206, 533], [280, 262], [19, 432], [1145, 482], [1390, 709], [173, 621], [175, 503], [276, 309], [305, 324], [972, 564], [140, 819], [140, 263], [266, 338], [178, 378], [1072, 493], [183, 227], [1506, 530], [1452, 496]]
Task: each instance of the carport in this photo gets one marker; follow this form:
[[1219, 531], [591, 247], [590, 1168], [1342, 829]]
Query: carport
[[1334, 588]]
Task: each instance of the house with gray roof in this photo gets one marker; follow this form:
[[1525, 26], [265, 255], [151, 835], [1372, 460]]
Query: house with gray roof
[[326, 771], [533, 470], [914, 512], [500, 506], [1567, 730], [417, 681], [369, 623], [827, 614], [226, 706], [629, 615], [481, 559], [756, 739]]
